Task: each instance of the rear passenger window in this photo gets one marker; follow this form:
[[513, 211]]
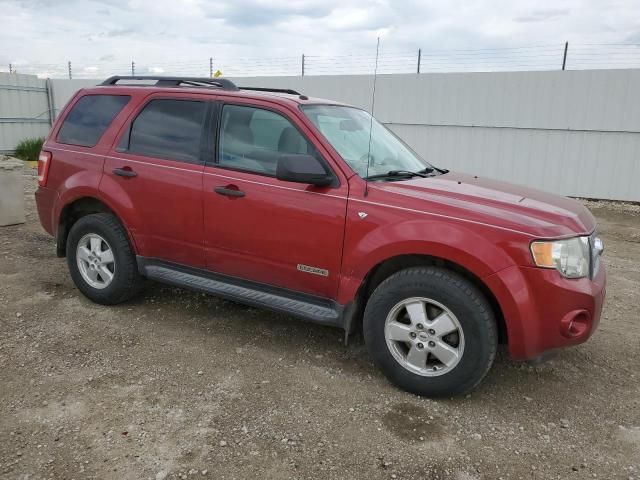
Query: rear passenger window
[[89, 118], [170, 129]]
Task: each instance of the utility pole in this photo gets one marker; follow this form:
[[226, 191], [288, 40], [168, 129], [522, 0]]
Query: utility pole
[[10, 68], [69, 68], [419, 58], [133, 68], [564, 57], [210, 67], [303, 64]]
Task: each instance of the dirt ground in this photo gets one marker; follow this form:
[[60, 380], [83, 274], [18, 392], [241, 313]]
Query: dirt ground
[[181, 385]]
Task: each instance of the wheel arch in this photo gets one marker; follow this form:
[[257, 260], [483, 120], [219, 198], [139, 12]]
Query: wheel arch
[[385, 268], [77, 209]]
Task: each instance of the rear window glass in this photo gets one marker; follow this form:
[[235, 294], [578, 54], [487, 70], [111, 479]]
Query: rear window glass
[[89, 118], [170, 129]]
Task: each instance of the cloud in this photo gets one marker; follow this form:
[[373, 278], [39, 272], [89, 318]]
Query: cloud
[[120, 32], [264, 36], [259, 12], [543, 15]]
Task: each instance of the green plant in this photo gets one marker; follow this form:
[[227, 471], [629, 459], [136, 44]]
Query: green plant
[[29, 148]]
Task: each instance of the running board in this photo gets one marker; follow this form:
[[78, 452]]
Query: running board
[[304, 306]]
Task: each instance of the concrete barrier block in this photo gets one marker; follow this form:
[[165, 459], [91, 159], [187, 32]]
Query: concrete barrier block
[[11, 192]]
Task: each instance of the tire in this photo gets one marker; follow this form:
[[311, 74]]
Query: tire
[[108, 235], [463, 307]]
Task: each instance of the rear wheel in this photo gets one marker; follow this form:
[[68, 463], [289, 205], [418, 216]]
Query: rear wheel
[[101, 261], [431, 331]]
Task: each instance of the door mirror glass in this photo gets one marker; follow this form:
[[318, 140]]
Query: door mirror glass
[[302, 168]]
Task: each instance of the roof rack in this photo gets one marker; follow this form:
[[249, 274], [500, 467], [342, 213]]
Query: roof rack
[[274, 90], [222, 83]]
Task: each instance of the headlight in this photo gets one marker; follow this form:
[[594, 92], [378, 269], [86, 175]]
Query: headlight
[[570, 257]]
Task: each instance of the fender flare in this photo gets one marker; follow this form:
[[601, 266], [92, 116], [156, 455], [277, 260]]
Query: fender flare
[[123, 211], [471, 249]]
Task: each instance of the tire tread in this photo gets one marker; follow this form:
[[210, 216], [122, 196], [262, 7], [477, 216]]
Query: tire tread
[[415, 277], [129, 279]]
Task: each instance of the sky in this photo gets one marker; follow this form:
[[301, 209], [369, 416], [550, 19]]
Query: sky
[[337, 36]]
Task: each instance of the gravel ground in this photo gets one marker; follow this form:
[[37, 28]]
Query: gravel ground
[[180, 385]]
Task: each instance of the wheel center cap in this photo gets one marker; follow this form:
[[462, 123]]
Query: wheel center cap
[[423, 336]]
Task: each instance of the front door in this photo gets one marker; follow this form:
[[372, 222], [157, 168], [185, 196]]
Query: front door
[[262, 229]]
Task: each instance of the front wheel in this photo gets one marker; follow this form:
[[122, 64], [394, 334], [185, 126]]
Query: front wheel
[[430, 331]]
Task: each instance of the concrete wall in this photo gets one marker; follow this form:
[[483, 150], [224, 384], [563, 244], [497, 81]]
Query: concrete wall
[[570, 132], [24, 109]]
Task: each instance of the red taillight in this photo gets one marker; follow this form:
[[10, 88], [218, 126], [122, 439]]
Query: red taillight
[[44, 162]]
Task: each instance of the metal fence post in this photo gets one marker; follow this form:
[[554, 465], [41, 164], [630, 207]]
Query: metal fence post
[[210, 67], [303, 64], [50, 101], [69, 68], [133, 68], [419, 58], [564, 57]]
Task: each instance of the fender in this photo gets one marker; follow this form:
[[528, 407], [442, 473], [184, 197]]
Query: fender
[[87, 184], [116, 198], [84, 183], [473, 249]]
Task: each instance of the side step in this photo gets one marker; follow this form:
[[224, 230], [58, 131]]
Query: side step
[[304, 306]]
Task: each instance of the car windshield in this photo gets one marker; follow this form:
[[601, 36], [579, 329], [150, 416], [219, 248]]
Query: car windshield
[[347, 130]]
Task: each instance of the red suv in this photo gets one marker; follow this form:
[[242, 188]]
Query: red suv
[[313, 208]]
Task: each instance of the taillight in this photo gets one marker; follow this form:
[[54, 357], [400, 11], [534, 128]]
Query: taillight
[[44, 162]]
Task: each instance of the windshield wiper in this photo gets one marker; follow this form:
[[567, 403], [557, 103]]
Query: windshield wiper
[[400, 173]]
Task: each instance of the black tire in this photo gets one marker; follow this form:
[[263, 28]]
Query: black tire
[[126, 281], [463, 299]]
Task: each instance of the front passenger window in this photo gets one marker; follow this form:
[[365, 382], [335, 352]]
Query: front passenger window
[[253, 139]]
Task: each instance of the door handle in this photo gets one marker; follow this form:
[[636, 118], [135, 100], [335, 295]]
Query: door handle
[[229, 192], [124, 172]]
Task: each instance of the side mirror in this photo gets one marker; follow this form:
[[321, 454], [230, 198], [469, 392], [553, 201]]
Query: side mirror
[[302, 168]]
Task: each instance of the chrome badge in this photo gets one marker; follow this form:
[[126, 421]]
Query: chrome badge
[[314, 270]]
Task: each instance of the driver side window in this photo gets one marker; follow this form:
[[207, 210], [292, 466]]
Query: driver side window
[[252, 139]]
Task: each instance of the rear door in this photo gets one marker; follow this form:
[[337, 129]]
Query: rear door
[[157, 165], [260, 228]]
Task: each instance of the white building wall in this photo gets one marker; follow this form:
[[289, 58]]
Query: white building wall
[[24, 109], [574, 133]]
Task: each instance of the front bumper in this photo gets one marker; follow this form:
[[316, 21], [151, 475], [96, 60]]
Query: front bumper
[[544, 311]]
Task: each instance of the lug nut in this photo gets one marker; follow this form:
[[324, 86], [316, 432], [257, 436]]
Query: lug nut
[[432, 344], [419, 326], [420, 346], [412, 334], [432, 331]]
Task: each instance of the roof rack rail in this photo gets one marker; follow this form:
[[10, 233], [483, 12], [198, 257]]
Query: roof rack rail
[[161, 81], [274, 90]]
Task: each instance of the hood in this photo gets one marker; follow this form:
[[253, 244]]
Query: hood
[[492, 202]]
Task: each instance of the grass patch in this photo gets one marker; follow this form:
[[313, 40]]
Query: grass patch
[[29, 149]]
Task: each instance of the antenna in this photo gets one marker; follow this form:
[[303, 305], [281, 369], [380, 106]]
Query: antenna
[[373, 104]]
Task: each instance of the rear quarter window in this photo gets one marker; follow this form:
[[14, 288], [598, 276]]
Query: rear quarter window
[[89, 118]]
